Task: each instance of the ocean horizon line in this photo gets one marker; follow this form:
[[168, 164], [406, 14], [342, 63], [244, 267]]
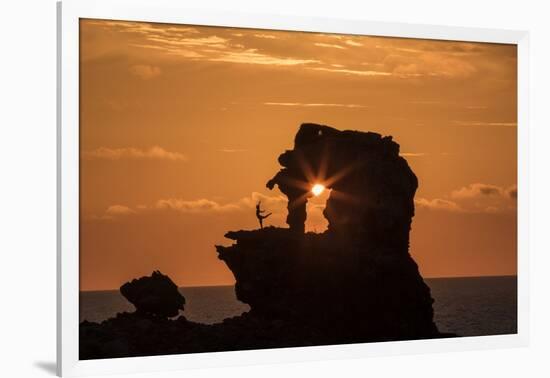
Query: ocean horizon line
[[212, 286]]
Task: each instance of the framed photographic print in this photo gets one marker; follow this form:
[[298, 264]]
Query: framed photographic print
[[240, 188]]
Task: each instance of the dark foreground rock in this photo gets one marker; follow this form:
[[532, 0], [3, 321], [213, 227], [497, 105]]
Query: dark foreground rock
[[138, 335], [133, 334], [354, 283]]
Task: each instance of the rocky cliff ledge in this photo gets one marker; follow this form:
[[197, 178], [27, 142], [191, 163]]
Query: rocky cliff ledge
[[318, 281], [356, 282]]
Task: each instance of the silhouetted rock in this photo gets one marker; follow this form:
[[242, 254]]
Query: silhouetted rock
[[357, 279], [373, 187], [354, 283], [154, 295], [345, 293]]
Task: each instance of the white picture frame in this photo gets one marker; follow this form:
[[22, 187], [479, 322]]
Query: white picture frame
[[172, 11]]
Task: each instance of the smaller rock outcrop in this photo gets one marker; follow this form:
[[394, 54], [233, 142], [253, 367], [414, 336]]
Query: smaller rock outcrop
[[154, 295]]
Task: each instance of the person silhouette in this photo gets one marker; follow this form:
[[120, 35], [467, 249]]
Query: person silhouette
[[259, 214]]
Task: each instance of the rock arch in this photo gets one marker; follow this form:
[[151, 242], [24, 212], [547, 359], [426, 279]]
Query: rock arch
[[372, 186]]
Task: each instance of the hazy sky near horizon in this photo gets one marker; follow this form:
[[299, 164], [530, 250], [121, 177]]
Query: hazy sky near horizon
[[181, 127]]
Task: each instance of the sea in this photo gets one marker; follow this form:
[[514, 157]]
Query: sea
[[467, 306]]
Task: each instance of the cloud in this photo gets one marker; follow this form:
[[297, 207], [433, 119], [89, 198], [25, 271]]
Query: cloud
[[265, 36], [353, 43], [314, 105], [479, 123], [145, 72], [475, 198], [143, 27], [393, 58], [112, 212], [352, 72], [153, 153], [232, 150], [195, 206], [438, 204], [119, 210], [481, 190], [412, 154], [400, 49], [212, 41], [275, 204], [472, 199], [419, 62], [194, 44], [172, 51], [329, 45], [447, 104], [252, 56]]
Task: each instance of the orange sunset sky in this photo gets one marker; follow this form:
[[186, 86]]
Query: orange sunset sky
[[181, 127]]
